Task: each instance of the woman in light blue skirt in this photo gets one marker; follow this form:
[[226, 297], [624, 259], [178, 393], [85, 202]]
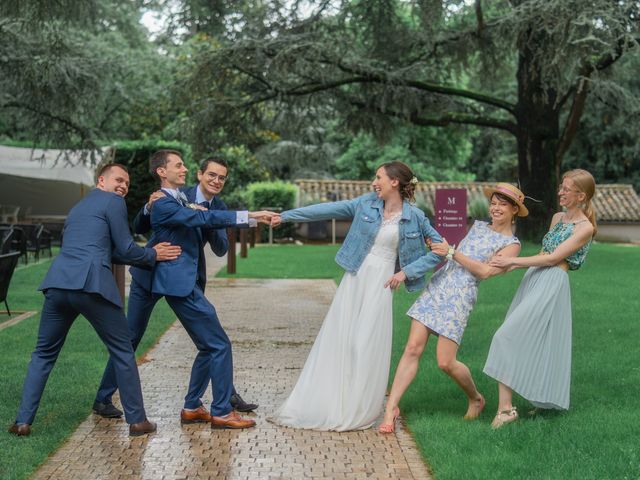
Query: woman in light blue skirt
[[531, 352]]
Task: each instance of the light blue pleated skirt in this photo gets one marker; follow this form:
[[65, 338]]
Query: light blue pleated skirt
[[531, 351]]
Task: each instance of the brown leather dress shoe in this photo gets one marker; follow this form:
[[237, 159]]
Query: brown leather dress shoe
[[199, 415], [232, 420], [142, 428], [21, 430]]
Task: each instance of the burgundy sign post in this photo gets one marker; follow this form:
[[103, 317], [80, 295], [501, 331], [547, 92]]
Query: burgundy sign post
[[451, 214]]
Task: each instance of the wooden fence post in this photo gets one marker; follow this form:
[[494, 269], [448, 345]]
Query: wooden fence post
[[231, 252], [255, 231], [243, 243]]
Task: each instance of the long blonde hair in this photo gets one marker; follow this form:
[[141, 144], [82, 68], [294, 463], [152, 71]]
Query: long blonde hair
[[586, 184]]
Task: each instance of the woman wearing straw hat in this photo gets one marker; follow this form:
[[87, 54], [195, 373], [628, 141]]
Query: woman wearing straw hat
[[445, 305], [531, 352]]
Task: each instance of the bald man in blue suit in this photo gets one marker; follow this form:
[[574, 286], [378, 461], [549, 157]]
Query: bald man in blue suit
[[80, 282]]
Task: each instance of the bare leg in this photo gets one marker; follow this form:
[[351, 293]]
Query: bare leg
[[407, 367], [506, 411], [459, 372], [505, 395]]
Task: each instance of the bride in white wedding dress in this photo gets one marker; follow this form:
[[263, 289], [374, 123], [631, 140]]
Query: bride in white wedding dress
[[343, 382]]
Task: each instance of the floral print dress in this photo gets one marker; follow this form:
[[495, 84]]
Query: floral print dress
[[446, 302]]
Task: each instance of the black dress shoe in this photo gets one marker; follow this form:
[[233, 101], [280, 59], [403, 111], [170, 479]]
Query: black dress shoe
[[142, 428], [20, 429], [238, 404], [106, 410]]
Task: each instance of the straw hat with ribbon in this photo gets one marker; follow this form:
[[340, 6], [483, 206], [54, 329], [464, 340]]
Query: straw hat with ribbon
[[511, 192]]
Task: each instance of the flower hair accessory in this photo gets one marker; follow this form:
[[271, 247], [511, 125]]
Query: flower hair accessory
[[413, 181]]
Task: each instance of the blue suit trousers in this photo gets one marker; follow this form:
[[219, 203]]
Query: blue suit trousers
[[61, 308], [199, 318]]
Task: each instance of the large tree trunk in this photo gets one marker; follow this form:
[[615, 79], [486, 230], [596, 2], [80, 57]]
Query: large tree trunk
[[537, 135]]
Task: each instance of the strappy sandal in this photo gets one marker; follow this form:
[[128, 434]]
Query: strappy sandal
[[390, 427], [503, 417]]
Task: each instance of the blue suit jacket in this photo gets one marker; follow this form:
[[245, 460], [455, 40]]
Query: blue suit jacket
[[179, 225], [215, 237], [95, 233]]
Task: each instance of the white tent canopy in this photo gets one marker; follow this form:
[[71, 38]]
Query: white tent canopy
[[44, 182]]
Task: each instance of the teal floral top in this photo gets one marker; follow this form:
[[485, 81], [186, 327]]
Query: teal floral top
[[558, 234]]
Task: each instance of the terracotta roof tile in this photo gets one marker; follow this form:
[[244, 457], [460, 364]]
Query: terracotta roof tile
[[613, 202]]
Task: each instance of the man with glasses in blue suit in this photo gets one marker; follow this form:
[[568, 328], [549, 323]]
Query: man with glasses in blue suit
[[212, 176], [185, 223]]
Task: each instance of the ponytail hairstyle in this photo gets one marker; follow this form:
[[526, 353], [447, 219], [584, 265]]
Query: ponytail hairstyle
[[586, 184], [406, 180]]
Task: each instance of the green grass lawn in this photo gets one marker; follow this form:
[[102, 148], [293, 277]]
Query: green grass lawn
[[70, 392], [596, 439]]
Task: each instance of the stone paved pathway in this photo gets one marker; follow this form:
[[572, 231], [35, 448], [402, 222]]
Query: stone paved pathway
[[272, 324]]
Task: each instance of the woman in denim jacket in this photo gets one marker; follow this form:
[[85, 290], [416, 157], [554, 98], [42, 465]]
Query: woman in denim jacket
[[343, 382]]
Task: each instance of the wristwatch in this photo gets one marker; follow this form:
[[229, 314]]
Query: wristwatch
[[450, 252]]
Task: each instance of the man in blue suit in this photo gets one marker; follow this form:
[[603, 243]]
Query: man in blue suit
[[175, 220], [80, 282], [212, 176]]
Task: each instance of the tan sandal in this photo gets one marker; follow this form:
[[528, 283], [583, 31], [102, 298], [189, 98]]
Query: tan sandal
[[503, 417]]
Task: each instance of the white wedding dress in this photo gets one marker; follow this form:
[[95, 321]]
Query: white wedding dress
[[343, 382]]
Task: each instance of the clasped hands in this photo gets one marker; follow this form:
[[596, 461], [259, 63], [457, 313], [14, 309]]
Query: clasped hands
[[276, 220], [439, 248], [264, 216], [442, 248]]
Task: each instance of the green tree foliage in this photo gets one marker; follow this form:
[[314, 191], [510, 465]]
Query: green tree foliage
[[493, 156], [244, 168], [431, 156], [75, 73], [607, 142], [429, 63]]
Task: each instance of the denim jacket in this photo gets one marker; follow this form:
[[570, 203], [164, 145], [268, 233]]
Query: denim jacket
[[366, 212]]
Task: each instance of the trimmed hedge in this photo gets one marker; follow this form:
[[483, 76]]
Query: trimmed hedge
[[277, 196], [263, 195]]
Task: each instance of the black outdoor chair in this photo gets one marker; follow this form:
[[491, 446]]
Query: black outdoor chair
[[19, 242], [7, 235], [38, 239], [8, 264]]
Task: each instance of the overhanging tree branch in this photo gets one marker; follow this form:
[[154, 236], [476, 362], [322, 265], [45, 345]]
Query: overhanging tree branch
[[573, 120], [301, 90], [393, 78], [250, 74], [581, 90], [443, 120], [431, 87], [83, 132]]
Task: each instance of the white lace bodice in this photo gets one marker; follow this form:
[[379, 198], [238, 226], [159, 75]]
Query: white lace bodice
[[386, 242]]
